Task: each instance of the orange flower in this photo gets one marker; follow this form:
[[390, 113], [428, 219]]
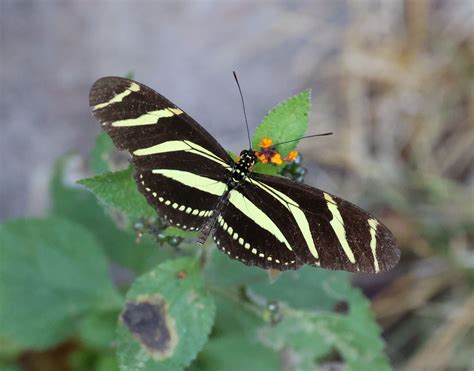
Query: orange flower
[[265, 142], [291, 156], [276, 159], [262, 158]]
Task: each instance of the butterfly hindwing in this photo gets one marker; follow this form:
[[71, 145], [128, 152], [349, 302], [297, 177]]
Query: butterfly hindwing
[[174, 201], [246, 233], [332, 233]]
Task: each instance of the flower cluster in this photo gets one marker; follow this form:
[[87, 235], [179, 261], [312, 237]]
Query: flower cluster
[[269, 154]]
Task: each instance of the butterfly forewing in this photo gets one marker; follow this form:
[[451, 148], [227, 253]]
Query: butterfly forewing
[[177, 160], [148, 125]]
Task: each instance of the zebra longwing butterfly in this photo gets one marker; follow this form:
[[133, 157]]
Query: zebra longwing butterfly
[[262, 220]]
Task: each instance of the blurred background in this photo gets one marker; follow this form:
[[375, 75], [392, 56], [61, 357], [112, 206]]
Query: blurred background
[[394, 80]]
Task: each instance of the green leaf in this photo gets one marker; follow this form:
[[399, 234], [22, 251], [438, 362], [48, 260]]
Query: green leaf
[[107, 362], [235, 315], [318, 282], [119, 191], [52, 273], [83, 359], [341, 319], [234, 335], [236, 352], [74, 202], [268, 169], [237, 321], [300, 335], [9, 367], [287, 121], [105, 157], [100, 155], [223, 272], [318, 294], [97, 329], [8, 349], [167, 318]]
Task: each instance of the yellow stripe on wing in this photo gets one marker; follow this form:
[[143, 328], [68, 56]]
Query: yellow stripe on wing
[[295, 210], [134, 87], [180, 145], [248, 208], [192, 180], [337, 224], [149, 118]]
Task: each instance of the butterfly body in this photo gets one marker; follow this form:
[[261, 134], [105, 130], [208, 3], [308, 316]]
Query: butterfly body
[[241, 168], [257, 219]]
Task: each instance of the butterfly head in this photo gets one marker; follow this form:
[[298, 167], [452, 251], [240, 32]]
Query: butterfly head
[[247, 159], [242, 167]]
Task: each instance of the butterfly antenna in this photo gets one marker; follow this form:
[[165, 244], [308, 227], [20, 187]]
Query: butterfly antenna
[[243, 106], [308, 136]]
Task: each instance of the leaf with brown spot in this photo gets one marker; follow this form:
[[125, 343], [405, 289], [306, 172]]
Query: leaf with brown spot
[[166, 319], [147, 320]]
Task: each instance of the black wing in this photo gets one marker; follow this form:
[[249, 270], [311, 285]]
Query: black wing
[[251, 232], [181, 168], [321, 229]]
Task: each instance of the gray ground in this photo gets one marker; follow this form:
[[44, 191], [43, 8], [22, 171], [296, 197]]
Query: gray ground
[[52, 51]]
